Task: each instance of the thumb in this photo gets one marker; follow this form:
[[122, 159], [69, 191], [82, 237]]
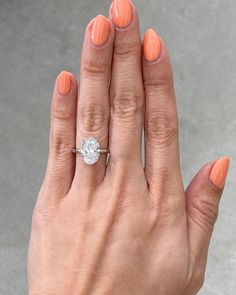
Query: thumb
[[202, 201]]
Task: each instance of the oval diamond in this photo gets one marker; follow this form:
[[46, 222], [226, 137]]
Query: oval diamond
[[90, 151]]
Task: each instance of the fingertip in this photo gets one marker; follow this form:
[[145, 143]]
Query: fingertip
[[99, 34], [65, 83], [64, 99], [100, 30], [152, 46], [219, 172], [156, 62], [122, 12], [124, 15], [210, 178]]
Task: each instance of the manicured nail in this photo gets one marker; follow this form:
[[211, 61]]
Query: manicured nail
[[64, 83], [122, 13], [219, 172], [100, 30], [151, 45]]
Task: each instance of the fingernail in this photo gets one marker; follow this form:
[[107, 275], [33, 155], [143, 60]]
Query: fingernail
[[151, 45], [219, 172], [100, 30], [122, 13], [64, 83]]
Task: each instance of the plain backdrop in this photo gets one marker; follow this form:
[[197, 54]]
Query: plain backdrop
[[39, 38]]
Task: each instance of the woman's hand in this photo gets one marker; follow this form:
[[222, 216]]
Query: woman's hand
[[118, 228]]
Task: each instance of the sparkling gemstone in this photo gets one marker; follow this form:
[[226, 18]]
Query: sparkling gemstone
[[90, 151]]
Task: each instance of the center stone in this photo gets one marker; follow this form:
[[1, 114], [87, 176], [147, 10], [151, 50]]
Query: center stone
[[90, 151]]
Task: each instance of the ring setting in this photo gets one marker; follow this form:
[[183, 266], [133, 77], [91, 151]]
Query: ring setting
[[90, 150]]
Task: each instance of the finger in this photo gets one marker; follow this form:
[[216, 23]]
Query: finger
[[202, 199], [61, 161], [126, 93], [93, 104], [161, 122]]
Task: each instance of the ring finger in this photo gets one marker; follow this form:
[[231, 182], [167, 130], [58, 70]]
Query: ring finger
[[93, 102]]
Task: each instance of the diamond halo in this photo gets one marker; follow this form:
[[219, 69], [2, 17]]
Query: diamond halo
[[90, 151]]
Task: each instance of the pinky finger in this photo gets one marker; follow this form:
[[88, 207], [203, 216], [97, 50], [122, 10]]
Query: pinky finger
[[61, 161]]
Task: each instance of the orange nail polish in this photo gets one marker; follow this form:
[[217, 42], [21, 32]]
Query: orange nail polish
[[122, 13], [219, 172], [64, 83], [100, 30], [151, 45]]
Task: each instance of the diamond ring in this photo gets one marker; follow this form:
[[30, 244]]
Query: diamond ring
[[90, 151]]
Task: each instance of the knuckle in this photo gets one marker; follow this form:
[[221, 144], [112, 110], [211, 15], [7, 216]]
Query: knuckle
[[61, 142], [61, 113], [94, 118], [205, 212], [59, 150], [94, 71], [127, 105], [161, 129], [159, 81], [125, 50], [161, 78]]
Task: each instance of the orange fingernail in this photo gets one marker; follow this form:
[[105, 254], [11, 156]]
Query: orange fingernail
[[151, 45], [64, 83], [100, 30], [122, 13], [219, 172]]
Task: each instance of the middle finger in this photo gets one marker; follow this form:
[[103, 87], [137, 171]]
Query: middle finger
[[126, 94]]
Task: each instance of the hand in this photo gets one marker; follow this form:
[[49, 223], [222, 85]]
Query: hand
[[117, 228]]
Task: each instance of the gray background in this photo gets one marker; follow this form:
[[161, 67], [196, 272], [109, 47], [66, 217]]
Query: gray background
[[40, 38]]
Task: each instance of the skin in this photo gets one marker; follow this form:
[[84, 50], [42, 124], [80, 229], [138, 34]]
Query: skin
[[119, 228]]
